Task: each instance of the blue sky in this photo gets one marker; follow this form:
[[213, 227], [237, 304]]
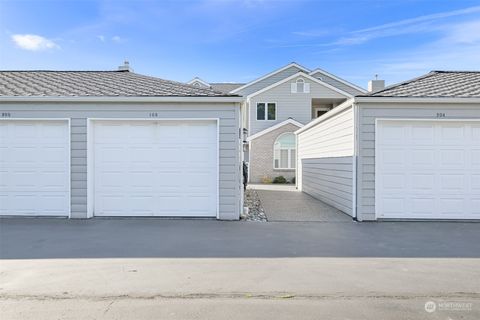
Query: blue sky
[[237, 41]]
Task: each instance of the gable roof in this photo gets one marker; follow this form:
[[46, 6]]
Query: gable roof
[[95, 84], [305, 75], [197, 79], [274, 127], [436, 84], [292, 64], [345, 82]]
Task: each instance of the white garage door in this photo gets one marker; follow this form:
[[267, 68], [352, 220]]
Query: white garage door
[[428, 169], [155, 168], [34, 168]]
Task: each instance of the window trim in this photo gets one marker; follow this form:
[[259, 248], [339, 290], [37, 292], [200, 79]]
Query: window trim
[[266, 111], [303, 82], [289, 155]]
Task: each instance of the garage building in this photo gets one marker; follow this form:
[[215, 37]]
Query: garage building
[[409, 151], [115, 143]]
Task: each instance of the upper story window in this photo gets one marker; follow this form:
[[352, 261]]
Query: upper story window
[[300, 86], [266, 111], [284, 151]]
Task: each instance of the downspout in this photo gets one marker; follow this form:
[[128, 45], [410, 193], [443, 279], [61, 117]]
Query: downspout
[[356, 133]]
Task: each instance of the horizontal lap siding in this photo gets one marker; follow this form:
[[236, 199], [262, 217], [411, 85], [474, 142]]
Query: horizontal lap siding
[[289, 105], [336, 83], [368, 113], [229, 153], [269, 81], [325, 161]]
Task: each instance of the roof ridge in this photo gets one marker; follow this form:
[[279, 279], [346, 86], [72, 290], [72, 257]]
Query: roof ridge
[[395, 85], [39, 70], [456, 71]]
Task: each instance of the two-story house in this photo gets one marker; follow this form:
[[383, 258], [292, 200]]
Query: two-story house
[[275, 106]]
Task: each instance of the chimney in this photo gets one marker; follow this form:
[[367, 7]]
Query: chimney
[[125, 67], [376, 85]]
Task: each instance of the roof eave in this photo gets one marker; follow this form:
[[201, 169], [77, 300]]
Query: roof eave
[[235, 99], [382, 99]]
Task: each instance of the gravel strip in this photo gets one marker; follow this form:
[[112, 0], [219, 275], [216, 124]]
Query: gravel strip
[[255, 210]]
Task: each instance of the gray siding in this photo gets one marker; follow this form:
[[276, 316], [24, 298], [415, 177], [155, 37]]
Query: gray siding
[[269, 81], [336, 83], [329, 180], [325, 160], [228, 113], [368, 112], [289, 105]]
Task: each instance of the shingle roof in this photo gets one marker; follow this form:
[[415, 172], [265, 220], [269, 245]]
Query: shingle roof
[[225, 86], [450, 84], [95, 84]]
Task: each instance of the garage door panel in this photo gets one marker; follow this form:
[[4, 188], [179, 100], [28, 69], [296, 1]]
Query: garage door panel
[[423, 135], [475, 156], [475, 204], [452, 133], [438, 178], [421, 182], [392, 205], [475, 182], [451, 206], [420, 157], [164, 165], [422, 206]]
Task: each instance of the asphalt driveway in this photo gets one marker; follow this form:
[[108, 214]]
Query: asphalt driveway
[[29, 238]]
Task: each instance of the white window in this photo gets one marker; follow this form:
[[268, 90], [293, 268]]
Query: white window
[[300, 86], [266, 111], [284, 151]]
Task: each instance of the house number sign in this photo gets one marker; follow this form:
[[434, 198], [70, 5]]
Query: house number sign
[[6, 114]]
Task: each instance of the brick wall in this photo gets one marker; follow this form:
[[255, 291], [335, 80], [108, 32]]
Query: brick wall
[[261, 156]]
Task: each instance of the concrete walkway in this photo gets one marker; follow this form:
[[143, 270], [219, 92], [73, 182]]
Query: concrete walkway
[[286, 203], [217, 289]]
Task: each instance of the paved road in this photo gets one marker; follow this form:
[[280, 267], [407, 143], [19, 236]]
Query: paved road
[[179, 269], [143, 238]]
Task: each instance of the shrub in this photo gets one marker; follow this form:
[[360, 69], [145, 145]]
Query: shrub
[[266, 179], [280, 179], [293, 180]]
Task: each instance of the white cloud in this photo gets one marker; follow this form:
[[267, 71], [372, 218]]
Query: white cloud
[[33, 42], [101, 38], [118, 39], [420, 24]]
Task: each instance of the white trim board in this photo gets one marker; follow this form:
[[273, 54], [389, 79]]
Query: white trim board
[[292, 64], [300, 74], [90, 156], [345, 82], [274, 127]]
